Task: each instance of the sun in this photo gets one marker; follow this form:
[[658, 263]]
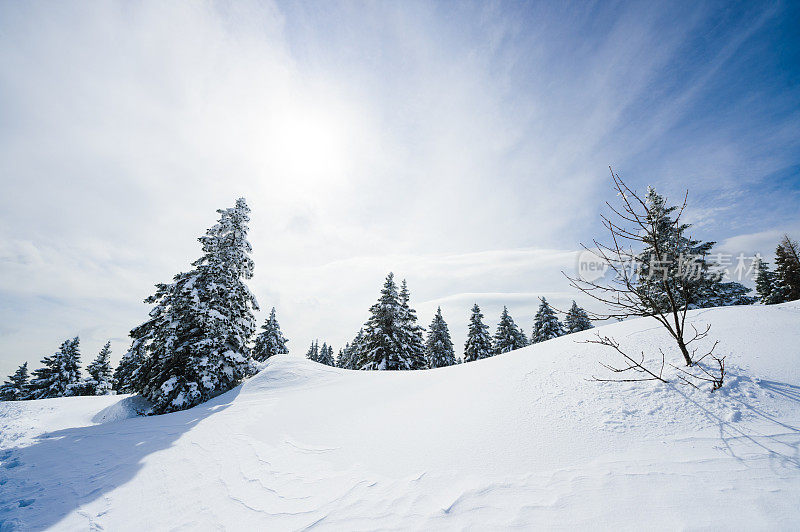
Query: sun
[[312, 145]]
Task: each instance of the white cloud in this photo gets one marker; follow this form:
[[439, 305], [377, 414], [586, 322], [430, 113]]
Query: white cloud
[[762, 242]]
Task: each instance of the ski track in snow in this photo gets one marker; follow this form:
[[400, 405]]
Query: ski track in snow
[[518, 440]]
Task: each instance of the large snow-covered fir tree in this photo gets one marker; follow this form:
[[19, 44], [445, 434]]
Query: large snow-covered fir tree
[[508, 337], [195, 344], [390, 341], [16, 387], [681, 257], [100, 380], [479, 343], [787, 268], [61, 374], [439, 346], [767, 288], [545, 324], [576, 320], [270, 341]]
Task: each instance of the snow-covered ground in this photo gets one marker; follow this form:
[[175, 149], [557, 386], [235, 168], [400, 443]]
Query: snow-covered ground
[[519, 440]]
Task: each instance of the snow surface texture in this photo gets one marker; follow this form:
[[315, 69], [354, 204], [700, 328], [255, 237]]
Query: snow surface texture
[[518, 440]]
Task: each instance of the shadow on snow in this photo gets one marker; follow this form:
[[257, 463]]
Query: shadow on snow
[[782, 447], [44, 482]]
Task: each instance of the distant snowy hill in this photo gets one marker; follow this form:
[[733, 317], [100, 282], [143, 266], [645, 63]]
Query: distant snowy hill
[[519, 440]]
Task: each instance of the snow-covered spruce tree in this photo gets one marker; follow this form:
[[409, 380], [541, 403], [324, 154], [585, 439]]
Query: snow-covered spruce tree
[[767, 287], [350, 354], [100, 380], [61, 374], [725, 294], [131, 369], [331, 356], [323, 353], [479, 343], [195, 344], [16, 387], [668, 252], [270, 341], [340, 356], [508, 337], [414, 334], [787, 268], [326, 355], [439, 346], [313, 351], [389, 343], [545, 324], [577, 320], [522, 338]]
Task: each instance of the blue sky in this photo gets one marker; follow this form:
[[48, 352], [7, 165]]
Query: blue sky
[[463, 146]]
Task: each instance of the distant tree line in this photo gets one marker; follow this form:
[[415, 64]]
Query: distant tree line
[[391, 339], [61, 376]]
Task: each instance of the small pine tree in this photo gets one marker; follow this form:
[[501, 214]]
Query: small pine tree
[[522, 339], [479, 343], [508, 336], [439, 346], [577, 320], [100, 379], [61, 374], [392, 340], [313, 353], [340, 356], [546, 325], [326, 355], [270, 341], [16, 387], [787, 268], [350, 354]]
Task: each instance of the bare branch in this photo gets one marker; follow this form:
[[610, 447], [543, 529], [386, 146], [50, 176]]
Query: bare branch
[[623, 294], [637, 366], [715, 377]]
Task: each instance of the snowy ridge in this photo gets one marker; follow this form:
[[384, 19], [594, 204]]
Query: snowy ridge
[[520, 439]]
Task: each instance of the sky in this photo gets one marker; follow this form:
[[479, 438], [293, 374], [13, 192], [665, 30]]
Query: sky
[[463, 146]]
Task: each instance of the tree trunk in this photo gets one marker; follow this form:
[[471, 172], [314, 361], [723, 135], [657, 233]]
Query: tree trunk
[[685, 352]]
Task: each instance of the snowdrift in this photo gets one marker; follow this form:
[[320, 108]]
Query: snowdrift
[[523, 439]]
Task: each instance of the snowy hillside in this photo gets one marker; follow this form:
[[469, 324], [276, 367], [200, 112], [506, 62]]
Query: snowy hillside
[[519, 440]]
